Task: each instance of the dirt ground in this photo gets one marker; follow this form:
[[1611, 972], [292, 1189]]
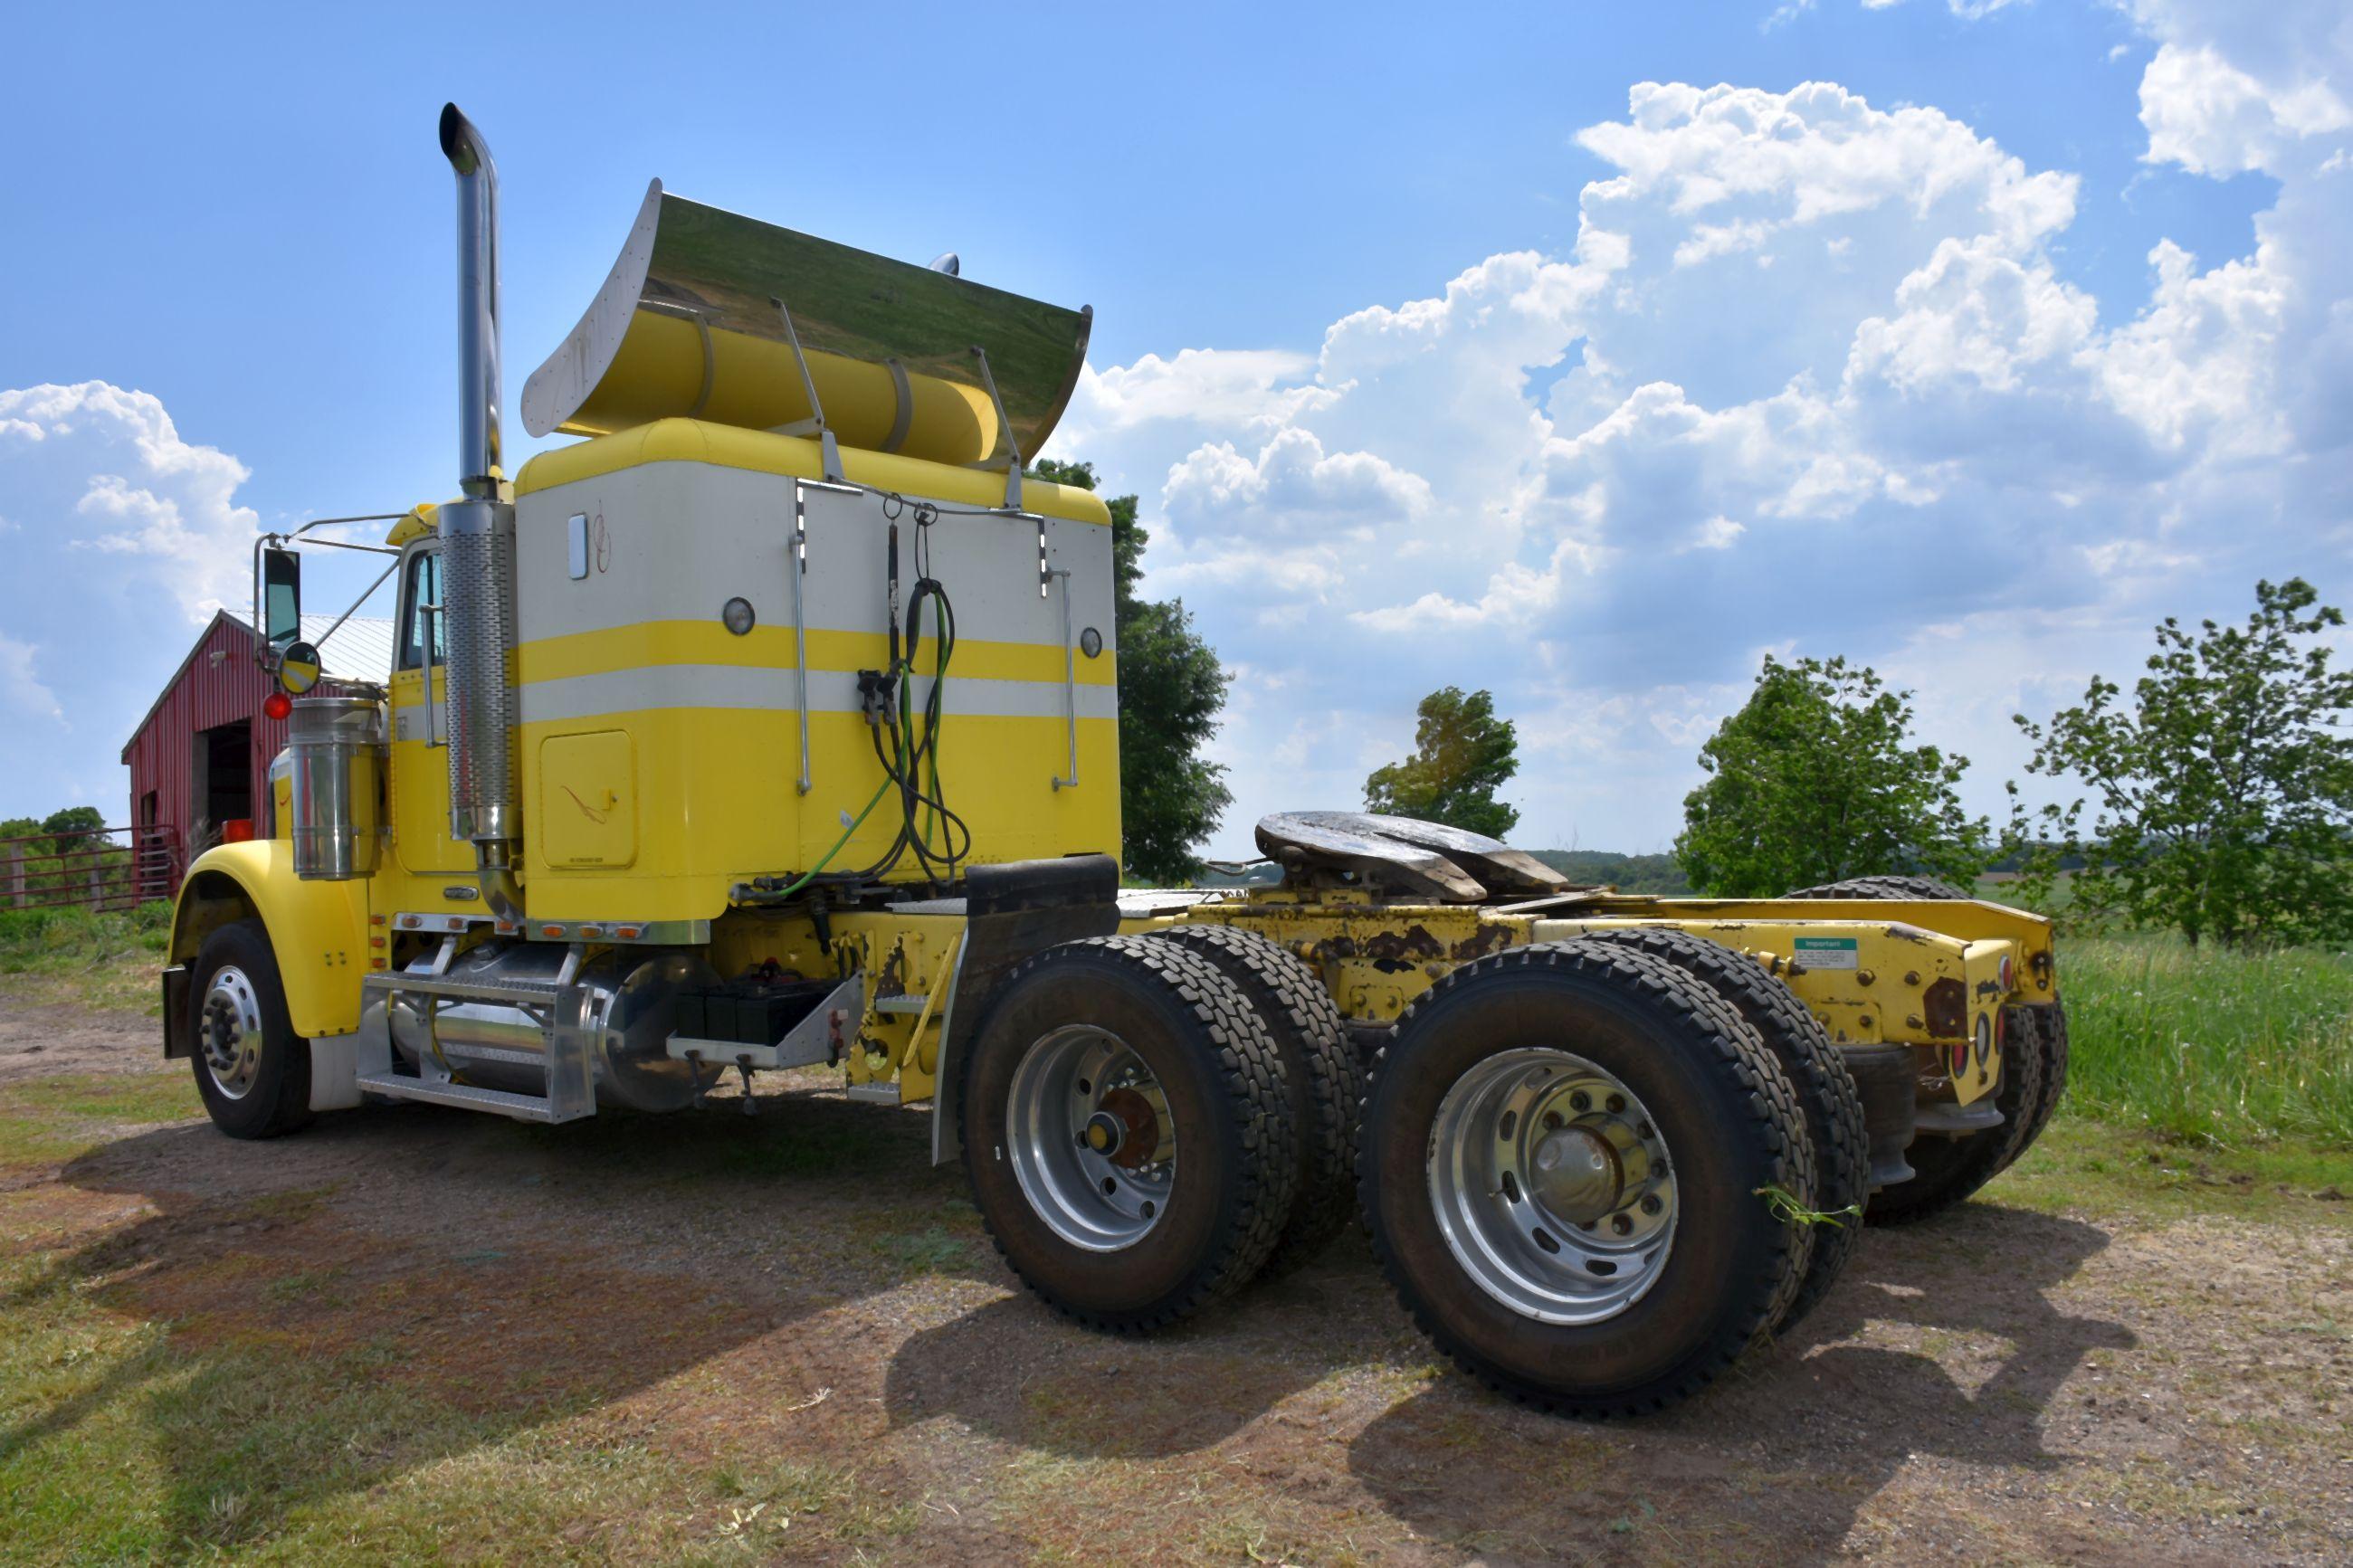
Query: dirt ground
[[798, 1293], [42, 1041]]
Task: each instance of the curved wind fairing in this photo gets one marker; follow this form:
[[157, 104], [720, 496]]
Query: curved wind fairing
[[689, 324]]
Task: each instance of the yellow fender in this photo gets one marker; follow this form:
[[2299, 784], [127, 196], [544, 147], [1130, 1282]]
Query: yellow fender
[[318, 931]]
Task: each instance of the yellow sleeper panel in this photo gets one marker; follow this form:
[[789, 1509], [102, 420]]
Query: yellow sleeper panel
[[718, 802]]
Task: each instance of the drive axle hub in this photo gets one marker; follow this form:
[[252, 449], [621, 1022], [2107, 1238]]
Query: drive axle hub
[[1587, 1170], [1552, 1186], [1124, 1130], [1091, 1138]]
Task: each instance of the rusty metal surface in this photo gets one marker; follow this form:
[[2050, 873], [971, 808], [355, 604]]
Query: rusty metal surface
[[1945, 1005]]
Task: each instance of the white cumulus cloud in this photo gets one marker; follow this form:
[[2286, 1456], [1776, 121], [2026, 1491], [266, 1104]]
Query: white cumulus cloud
[[1811, 378], [23, 693], [126, 538]]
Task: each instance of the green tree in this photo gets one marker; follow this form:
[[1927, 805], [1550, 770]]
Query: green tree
[[71, 826], [1817, 779], [1462, 755], [2220, 797], [1170, 689]]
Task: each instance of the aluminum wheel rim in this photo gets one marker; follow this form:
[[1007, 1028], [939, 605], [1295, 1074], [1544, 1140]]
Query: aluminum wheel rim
[[1552, 1186], [1096, 1197], [230, 1033]]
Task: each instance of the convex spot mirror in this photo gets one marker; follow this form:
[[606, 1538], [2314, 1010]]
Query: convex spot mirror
[[298, 667], [282, 598]]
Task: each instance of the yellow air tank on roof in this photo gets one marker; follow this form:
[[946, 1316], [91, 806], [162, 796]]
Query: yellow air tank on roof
[[709, 315]]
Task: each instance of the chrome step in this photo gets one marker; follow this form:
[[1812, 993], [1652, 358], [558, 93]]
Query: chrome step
[[522, 1107], [902, 1004], [557, 1005], [462, 990]]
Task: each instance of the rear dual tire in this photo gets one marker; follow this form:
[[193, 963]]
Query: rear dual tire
[[1467, 1251], [1826, 1092], [1321, 1079], [1128, 1131]]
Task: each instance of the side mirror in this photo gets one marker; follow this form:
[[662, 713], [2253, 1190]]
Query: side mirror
[[299, 668], [282, 598]]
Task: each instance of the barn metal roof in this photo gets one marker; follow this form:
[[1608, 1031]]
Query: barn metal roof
[[361, 649]]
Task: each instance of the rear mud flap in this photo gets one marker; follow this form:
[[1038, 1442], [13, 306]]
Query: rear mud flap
[[176, 1031], [1011, 911]]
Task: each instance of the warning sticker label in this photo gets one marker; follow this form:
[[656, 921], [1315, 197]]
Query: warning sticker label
[[1826, 951]]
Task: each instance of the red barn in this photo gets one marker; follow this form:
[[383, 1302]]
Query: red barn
[[200, 759]]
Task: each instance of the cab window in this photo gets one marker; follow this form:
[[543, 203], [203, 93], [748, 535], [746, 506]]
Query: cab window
[[420, 601]]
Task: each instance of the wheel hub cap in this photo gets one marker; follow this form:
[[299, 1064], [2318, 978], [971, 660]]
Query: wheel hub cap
[[1126, 1130], [1090, 1140], [1576, 1174], [1552, 1186], [229, 1033]]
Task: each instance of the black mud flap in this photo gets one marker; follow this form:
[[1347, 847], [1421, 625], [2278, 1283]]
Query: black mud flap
[[1011, 911], [176, 1043]]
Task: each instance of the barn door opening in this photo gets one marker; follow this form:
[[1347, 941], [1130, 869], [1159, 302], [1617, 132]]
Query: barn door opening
[[224, 780]]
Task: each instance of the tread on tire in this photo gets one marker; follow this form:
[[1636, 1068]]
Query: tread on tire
[[1234, 1166], [1826, 1091], [1730, 1122], [1326, 1082]]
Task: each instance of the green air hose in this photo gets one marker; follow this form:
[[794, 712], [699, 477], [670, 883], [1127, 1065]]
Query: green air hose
[[806, 878]]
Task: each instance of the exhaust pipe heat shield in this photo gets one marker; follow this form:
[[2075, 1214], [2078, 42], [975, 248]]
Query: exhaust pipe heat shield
[[687, 325]]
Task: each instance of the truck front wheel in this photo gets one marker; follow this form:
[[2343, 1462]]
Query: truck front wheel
[[252, 1070]]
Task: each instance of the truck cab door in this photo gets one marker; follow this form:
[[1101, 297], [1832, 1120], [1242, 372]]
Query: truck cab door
[[420, 728]]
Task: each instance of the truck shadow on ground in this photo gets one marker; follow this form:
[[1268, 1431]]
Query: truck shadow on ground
[[1080, 1395], [1776, 1462], [394, 1287], [1827, 1419]]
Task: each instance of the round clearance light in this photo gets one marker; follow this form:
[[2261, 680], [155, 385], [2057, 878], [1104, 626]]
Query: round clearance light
[[1091, 642], [736, 616]]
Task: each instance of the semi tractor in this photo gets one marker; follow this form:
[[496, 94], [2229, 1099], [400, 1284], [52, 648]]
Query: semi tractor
[[773, 724]]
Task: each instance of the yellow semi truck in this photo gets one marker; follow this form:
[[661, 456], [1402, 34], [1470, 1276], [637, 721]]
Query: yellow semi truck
[[774, 724]]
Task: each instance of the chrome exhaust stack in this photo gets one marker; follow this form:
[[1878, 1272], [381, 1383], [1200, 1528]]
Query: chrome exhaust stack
[[477, 547]]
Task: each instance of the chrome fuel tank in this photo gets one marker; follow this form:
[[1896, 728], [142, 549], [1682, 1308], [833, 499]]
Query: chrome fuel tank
[[631, 1002]]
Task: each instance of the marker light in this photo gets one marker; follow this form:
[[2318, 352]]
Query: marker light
[[277, 705]]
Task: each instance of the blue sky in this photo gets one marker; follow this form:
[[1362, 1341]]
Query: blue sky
[[1582, 351]]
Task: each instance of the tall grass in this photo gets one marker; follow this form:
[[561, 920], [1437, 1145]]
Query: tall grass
[[2208, 1044], [106, 960]]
